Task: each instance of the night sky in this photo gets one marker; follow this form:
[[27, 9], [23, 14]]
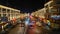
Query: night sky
[[24, 5]]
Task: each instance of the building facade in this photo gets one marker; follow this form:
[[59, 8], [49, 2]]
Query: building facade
[[39, 13], [52, 9], [11, 13]]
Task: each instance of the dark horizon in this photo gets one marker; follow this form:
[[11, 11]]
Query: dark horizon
[[26, 6]]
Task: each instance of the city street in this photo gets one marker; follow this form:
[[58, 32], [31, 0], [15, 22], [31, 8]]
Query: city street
[[29, 16]]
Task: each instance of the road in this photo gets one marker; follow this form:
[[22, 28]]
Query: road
[[21, 30], [17, 30]]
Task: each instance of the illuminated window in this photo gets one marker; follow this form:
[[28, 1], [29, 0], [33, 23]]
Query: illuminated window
[[8, 14], [53, 10], [46, 6], [0, 15], [4, 10], [0, 9], [11, 11], [4, 15], [47, 10], [8, 10], [51, 4], [59, 11]]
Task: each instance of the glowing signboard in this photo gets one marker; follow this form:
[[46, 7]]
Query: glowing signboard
[[56, 17]]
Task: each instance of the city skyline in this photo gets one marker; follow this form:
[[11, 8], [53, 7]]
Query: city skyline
[[26, 6]]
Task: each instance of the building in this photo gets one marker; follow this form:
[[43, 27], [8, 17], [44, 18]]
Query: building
[[39, 13], [47, 8], [52, 9], [11, 13]]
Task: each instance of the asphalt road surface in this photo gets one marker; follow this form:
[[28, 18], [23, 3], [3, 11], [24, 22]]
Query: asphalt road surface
[[17, 30], [21, 30]]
